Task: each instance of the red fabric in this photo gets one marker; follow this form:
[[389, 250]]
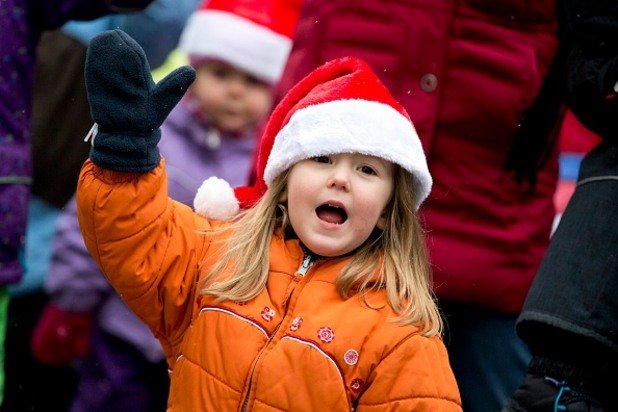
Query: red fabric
[[465, 71], [575, 137], [61, 336], [563, 194]]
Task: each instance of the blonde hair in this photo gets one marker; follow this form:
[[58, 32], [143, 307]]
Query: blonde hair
[[398, 252]]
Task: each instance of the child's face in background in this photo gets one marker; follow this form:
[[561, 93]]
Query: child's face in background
[[334, 202], [231, 99]]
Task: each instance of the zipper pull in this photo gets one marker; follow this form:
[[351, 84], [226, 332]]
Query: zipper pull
[[304, 267]]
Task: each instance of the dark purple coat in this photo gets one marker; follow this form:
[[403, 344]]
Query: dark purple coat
[[21, 24]]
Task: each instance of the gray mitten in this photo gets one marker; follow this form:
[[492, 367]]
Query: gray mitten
[[126, 104]]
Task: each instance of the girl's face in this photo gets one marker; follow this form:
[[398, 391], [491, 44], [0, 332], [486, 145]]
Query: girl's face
[[334, 202], [231, 99]]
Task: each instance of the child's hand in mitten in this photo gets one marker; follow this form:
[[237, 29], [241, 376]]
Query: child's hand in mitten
[[126, 104], [61, 336]]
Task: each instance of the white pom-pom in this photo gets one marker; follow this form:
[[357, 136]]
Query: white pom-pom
[[215, 199]]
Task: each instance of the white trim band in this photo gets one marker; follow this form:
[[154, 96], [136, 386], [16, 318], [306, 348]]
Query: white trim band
[[350, 126], [318, 349], [238, 41], [235, 315]]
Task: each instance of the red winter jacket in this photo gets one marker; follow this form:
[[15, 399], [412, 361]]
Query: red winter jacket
[[466, 71]]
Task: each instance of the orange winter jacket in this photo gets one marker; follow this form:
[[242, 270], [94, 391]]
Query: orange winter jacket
[[297, 346]]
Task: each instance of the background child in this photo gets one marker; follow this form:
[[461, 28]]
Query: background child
[[316, 297], [238, 49], [210, 132]]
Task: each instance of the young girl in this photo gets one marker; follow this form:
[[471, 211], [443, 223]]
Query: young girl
[[316, 296]]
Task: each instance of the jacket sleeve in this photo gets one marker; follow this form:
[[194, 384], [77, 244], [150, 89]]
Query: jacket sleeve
[[147, 245], [51, 14], [145, 27], [415, 376]]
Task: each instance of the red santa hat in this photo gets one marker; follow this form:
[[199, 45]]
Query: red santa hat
[[341, 107], [253, 35]]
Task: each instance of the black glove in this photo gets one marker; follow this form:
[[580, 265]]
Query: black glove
[[591, 93], [126, 104]]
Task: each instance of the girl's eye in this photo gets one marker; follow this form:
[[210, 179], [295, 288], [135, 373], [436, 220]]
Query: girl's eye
[[368, 170], [221, 73], [253, 81], [322, 159]]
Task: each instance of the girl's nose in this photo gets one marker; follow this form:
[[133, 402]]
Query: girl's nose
[[339, 178], [237, 85]]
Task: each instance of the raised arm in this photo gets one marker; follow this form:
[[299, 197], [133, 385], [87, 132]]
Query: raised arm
[[147, 245]]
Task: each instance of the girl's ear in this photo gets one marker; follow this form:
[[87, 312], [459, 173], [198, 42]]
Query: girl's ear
[[284, 196], [382, 220], [381, 224]]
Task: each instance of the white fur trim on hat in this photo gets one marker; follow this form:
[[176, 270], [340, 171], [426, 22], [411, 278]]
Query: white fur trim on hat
[[215, 200], [237, 41], [350, 126]]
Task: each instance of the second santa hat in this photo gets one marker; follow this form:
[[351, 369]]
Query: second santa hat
[[254, 35], [340, 107]]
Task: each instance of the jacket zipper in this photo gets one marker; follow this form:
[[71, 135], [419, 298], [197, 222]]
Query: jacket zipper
[[305, 265], [302, 270]]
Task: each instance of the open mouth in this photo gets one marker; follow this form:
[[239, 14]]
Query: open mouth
[[331, 213]]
